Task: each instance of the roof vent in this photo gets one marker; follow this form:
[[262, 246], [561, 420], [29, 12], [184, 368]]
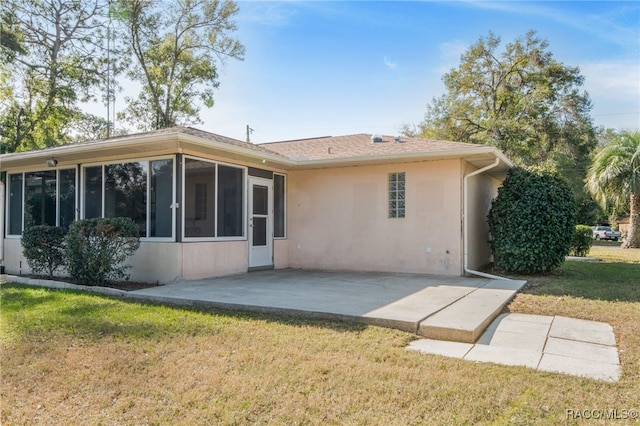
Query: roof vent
[[376, 138], [397, 139]]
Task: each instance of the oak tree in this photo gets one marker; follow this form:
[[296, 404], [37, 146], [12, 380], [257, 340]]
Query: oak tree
[[520, 100]]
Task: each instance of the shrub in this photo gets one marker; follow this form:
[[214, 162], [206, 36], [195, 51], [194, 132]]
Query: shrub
[[43, 247], [582, 240], [531, 222], [96, 249]]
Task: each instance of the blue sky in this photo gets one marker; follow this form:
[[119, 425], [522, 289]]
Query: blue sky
[[316, 68]]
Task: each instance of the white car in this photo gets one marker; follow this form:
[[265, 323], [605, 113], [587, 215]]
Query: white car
[[605, 233]]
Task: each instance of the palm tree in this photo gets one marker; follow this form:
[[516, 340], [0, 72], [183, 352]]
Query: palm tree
[[614, 179]]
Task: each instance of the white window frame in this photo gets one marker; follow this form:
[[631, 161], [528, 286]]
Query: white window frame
[[147, 160], [35, 170], [245, 170], [286, 184]]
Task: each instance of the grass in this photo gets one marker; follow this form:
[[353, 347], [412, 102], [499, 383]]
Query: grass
[[75, 358]]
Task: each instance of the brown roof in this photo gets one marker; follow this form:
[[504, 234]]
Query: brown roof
[[303, 153], [360, 145], [218, 138], [150, 134]]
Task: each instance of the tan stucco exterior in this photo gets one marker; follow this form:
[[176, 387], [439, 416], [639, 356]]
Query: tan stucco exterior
[[163, 262], [337, 209], [481, 191], [338, 219]]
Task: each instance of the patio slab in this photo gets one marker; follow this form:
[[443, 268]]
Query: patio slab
[[393, 300], [546, 343], [467, 319], [404, 301]]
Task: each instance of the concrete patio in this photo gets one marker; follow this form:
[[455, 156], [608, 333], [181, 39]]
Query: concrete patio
[[459, 317], [439, 307]]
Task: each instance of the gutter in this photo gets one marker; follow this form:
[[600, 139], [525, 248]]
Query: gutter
[[465, 229]]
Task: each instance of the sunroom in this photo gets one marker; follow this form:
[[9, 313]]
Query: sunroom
[[205, 205]]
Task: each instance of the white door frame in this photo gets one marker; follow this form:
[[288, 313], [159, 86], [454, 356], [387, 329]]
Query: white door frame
[[260, 256]]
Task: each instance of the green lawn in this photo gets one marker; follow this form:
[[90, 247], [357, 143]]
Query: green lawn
[[74, 358]]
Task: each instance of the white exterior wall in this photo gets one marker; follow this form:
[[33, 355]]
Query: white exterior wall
[[338, 219]]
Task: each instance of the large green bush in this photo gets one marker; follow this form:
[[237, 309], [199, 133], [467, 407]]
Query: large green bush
[[97, 248], [43, 247], [531, 222], [582, 240]]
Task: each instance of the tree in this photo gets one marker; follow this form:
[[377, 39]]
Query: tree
[[91, 127], [614, 179], [521, 101], [57, 57], [10, 37], [176, 47]]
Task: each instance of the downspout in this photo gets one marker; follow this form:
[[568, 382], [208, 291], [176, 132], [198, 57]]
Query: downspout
[[465, 211], [2, 209]]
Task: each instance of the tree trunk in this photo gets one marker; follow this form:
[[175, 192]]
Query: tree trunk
[[633, 237]]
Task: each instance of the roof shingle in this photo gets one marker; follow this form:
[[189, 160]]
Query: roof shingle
[[359, 145]]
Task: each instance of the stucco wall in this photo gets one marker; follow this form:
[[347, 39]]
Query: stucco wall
[[213, 259], [338, 219], [163, 262], [482, 189], [280, 253], [156, 262], [13, 256]]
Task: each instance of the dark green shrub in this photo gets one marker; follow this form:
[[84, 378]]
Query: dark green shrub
[[531, 222], [96, 249], [582, 240], [43, 246]]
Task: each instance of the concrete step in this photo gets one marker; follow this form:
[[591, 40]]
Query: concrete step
[[467, 318]]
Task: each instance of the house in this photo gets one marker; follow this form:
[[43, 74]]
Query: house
[[623, 225], [208, 205]]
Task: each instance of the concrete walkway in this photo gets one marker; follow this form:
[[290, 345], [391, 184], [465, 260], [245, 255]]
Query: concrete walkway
[[557, 344]]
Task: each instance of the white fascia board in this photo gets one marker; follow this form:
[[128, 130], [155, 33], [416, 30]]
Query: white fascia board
[[81, 147], [412, 156], [235, 149]]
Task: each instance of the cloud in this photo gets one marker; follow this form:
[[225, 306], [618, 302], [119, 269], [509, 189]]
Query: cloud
[[389, 64], [605, 26], [450, 52], [273, 14], [614, 89], [613, 79]]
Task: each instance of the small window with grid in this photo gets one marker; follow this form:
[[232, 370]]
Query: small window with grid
[[396, 195]]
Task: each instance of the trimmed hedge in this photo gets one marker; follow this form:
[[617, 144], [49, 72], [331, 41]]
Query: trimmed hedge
[[531, 222], [43, 247], [582, 240], [97, 248]]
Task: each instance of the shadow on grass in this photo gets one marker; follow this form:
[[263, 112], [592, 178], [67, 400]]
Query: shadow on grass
[[32, 310], [609, 281]]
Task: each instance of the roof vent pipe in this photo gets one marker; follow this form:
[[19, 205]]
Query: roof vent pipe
[[376, 138]]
